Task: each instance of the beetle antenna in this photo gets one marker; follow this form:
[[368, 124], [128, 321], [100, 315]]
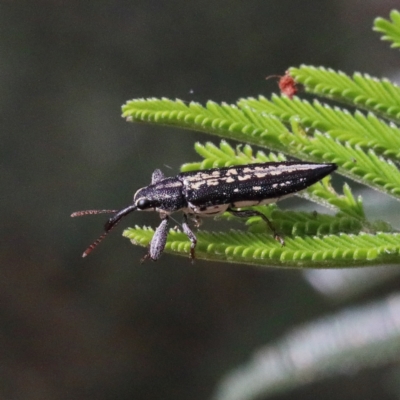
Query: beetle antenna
[[94, 244], [110, 224], [273, 76], [91, 212]]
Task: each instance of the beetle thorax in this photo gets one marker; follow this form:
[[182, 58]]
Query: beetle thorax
[[165, 195]]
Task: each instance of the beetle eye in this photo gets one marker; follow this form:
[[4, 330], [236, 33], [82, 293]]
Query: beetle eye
[[142, 204]]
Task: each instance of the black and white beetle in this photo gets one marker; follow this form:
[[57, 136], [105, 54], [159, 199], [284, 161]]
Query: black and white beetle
[[212, 192]]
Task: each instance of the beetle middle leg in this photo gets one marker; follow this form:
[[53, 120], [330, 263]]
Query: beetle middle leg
[[254, 213], [190, 235], [197, 221]]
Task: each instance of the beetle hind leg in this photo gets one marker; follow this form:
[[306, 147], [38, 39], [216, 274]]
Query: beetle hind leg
[[254, 213], [192, 237]]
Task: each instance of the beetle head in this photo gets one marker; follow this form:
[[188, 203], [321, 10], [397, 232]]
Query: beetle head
[[146, 199]]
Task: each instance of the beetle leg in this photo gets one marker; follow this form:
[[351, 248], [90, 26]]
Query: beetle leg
[[157, 176], [190, 235], [158, 241], [254, 213], [197, 221]]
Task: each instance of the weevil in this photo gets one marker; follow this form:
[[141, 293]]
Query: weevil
[[211, 192]]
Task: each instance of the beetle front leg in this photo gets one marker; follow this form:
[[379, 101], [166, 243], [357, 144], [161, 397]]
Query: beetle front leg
[[253, 213], [158, 241], [190, 235]]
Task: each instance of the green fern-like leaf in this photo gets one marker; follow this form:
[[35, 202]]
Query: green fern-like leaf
[[390, 29], [221, 120], [356, 164], [365, 167], [372, 94], [225, 155], [367, 132], [295, 223], [261, 249], [365, 148], [258, 247], [268, 131]]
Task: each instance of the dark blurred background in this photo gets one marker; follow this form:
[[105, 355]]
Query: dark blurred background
[[106, 327]]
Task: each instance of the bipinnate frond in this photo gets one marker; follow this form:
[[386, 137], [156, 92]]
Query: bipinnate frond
[[250, 120], [222, 120], [364, 145], [365, 131], [312, 239], [377, 95], [265, 130], [235, 246], [355, 163], [390, 29], [253, 121], [225, 155]]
